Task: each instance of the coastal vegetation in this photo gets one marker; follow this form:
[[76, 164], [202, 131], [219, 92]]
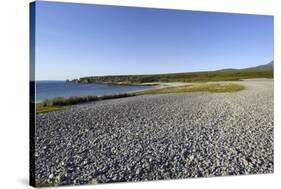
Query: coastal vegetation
[[56, 104], [197, 87], [41, 108], [47, 183], [221, 75], [196, 82]]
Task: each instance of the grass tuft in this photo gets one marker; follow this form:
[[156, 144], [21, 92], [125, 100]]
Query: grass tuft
[[46, 183], [93, 181]]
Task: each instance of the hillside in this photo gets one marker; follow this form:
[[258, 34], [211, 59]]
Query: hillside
[[261, 71], [264, 66], [260, 67]]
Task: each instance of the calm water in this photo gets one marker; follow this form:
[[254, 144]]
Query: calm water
[[51, 89]]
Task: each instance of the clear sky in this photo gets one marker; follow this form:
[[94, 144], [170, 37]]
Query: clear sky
[[76, 40]]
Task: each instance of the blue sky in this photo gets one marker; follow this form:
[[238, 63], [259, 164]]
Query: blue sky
[[76, 40]]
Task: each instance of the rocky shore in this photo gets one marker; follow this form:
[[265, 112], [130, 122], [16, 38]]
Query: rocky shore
[[155, 137]]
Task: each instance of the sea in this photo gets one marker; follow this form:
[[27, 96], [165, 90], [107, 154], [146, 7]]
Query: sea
[[52, 89]]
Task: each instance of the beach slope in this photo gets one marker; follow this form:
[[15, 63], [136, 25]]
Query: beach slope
[[164, 136]]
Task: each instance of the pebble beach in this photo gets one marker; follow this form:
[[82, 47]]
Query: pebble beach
[[152, 137]]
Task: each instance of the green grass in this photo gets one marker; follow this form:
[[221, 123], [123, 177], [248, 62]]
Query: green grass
[[56, 104], [46, 183], [93, 181], [197, 87], [222, 75], [45, 109]]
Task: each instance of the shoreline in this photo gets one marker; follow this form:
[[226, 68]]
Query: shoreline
[[58, 103]]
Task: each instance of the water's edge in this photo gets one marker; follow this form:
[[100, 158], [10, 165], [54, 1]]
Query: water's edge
[[53, 89]]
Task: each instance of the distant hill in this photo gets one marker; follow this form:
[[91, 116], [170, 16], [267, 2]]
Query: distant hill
[[261, 71], [260, 67], [264, 66]]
